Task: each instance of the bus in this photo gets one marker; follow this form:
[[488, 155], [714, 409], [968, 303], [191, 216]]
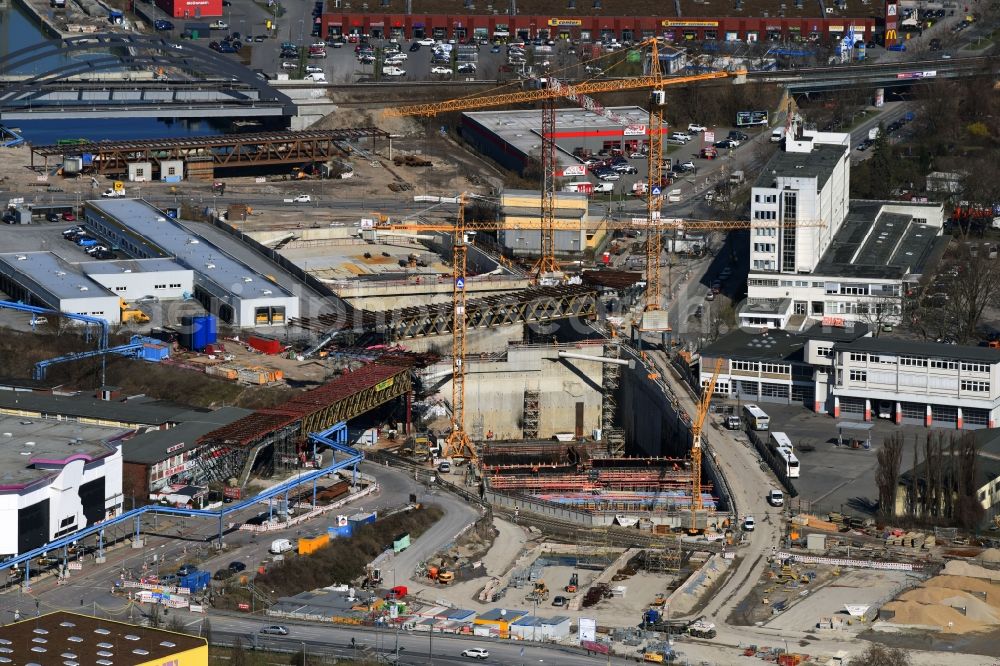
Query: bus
[[756, 418], [791, 462], [782, 447]]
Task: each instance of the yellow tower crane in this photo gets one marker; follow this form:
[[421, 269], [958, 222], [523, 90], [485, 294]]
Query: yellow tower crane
[[696, 428]]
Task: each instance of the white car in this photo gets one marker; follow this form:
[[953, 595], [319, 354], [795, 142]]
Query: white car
[[392, 70], [426, 41], [444, 71], [219, 25], [37, 321], [696, 128], [776, 498], [317, 77], [313, 69], [749, 524], [476, 653], [608, 175], [398, 56]]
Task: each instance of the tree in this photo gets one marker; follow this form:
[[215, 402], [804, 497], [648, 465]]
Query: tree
[[879, 655], [882, 174], [968, 511], [976, 287], [880, 311], [890, 458], [238, 655]]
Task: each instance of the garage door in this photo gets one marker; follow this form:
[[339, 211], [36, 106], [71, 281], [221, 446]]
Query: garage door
[[805, 395], [852, 408], [914, 413], [944, 416], [975, 418]]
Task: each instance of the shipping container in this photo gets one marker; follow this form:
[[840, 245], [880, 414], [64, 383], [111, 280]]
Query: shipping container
[[223, 371], [401, 543], [265, 345], [154, 353], [340, 531], [312, 543], [333, 492], [195, 581], [360, 519]]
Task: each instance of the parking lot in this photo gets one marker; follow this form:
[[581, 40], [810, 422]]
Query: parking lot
[[833, 478]]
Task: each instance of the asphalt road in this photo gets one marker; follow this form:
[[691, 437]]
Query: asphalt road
[[171, 542]]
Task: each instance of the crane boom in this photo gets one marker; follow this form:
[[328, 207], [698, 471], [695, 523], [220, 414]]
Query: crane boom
[[664, 224], [523, 96], [696, 428]]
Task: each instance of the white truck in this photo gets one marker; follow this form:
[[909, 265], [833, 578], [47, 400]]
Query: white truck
[[873, 133], [302, 198], [111, 193], [279, 546], [777, 135]]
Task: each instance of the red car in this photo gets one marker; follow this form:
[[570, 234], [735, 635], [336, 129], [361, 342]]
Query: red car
[[69, 217]]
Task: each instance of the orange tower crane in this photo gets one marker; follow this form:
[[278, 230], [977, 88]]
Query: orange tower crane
[[458, 443]]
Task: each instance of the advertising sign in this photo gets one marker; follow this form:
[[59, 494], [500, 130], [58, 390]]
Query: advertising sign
[[751, 118], [588, 629], [709, 137], [574, 170], [564, 23], [690, 24], [635, 130]]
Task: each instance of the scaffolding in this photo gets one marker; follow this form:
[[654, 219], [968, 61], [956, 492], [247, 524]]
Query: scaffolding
[[530, 416], [610, 380]]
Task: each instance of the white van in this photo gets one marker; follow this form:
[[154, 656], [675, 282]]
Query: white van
[[777, 134], [680, 136], [279, 546], [776, 498], [604, 187], [392, 70]]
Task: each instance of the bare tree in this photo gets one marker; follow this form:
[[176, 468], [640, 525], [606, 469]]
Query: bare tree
[[880, 311], [890, 458], [880, 655], [968, 510], [977, 286], [911, 505]]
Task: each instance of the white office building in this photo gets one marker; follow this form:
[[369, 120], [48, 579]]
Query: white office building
[[56, 477], [921, 383], [132, 279], [814, 253]]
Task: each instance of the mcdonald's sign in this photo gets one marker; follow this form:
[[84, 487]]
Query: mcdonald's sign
[[890, 37]]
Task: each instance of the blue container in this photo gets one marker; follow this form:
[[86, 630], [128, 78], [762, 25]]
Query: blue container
[[359, 519], [195, 581], [198, 332], [340, 532], [88, 159], [213, 335]]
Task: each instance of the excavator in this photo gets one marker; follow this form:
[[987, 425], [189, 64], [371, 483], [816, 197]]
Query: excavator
[[539, 593]]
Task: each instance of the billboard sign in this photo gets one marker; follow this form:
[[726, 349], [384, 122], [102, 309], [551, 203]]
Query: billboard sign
[[574, 170], [635, 130], [709, 137], [751, 118], [588, 629]]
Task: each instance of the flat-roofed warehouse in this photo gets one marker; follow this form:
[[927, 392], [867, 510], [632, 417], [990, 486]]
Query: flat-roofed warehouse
[[226, 286], [42, 278], [69, 638]]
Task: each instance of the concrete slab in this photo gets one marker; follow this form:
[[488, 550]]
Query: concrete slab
[[853, 587]]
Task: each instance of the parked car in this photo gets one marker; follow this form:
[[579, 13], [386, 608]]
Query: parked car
[[161, 25], [314, 69], [52, 217], [38, 321], [275, 629], [681, 167], [696, 128], [289, 65], [415, 46], [443, 71], [218, 25], [476, 653], [559, 602], [738, 135], [236, 566], [749, 524], [185, 569], [865, 145], [727, 143], [467, 68], [775, 498], [426, 41]]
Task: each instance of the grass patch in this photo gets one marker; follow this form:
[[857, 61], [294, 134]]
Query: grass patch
[[341, 561], [983, 42], [19, 352]]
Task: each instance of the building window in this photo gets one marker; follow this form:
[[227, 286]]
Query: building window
[[859, 376], [159, 286], [763, 247], [768, 390], [140, 172], [853, 290], [859, 357], [175, 286], [745, 365], [939, 364], [763, 282], [913, 361], [775, 368], [974, 386], [975, 367], [825, 352], [171, 171], [799, 307], [768, 232]]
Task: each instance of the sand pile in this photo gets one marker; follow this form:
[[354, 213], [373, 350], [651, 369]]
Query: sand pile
[[991, 555], [968, 584], [945, 618], [960, 568]]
